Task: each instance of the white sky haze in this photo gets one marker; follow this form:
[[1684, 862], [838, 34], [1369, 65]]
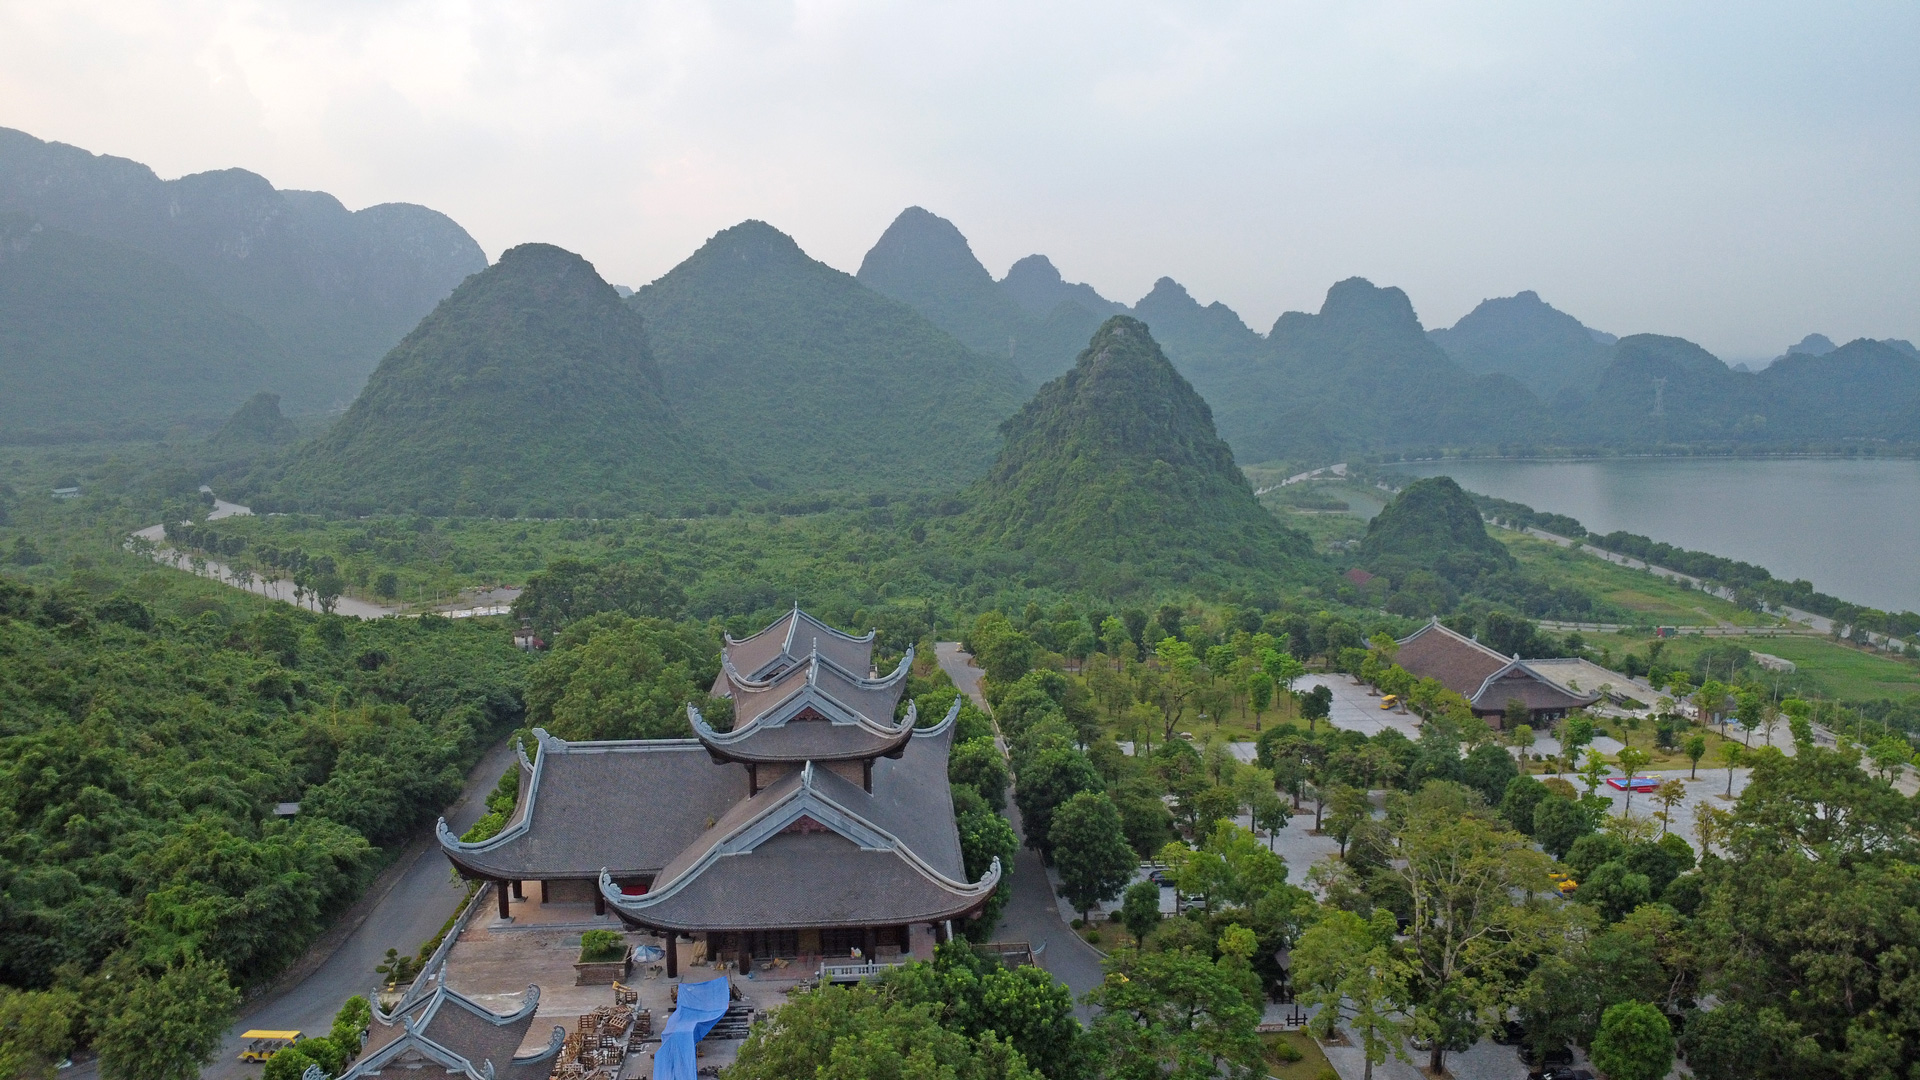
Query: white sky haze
[[1740, 175]]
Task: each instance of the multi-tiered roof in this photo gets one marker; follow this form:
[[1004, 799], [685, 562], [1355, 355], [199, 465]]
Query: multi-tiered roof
[[823, 805]]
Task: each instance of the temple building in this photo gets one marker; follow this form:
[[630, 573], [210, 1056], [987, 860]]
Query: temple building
[[820, 824], [449, 1034], [1485, 678]]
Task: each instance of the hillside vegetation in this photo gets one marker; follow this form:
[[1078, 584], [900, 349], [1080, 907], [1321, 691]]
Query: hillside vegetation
[[99, 340], [1113, 473], [327, 290], [809, 382], [529, 390]]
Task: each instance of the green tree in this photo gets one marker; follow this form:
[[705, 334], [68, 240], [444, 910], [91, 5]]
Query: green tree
[[1090, 850], [1053, 777], [1176, 1013], [1350, 808], [1558, 822], [1474, 891], [1634, 1042], [1259, 690], [1352, 970], [36, 1031], [166, 1028], [570, 589], [1576, 732], [1140, 909], [1270, 812], [350, 1025], [1316, 704], [1695, 748], [1025, 1006], [979, 764], [614, 677], [862, 1034], [1731, 754], [984, 837], [1631, 760]]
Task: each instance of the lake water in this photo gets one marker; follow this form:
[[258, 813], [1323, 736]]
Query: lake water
[[1848, 526]]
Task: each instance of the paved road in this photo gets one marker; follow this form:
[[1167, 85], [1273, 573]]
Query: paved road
[[405, 906], [1031, 914]]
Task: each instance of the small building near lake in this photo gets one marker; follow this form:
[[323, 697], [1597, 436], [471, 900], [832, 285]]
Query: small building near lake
[[1487, 679]]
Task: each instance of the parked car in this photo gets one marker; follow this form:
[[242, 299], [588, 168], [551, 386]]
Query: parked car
[[1557, 1057]]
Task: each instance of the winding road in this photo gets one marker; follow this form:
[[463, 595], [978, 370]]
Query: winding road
[[405, 905], [1032, 914]]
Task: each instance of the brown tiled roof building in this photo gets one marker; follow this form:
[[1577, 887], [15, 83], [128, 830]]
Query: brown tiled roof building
[[1484, 677], [821, 820]]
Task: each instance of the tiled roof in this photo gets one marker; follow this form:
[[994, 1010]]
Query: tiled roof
[[786, 643], [814, 849], [1459, 662], [628, 806], [1518, 682], [815, 712], [456, 1034], [1484, 677]]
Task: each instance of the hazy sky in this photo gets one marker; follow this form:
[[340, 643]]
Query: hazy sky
[[1738, 174]]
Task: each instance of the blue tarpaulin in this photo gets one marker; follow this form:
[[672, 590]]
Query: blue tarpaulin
[[701, 1005]]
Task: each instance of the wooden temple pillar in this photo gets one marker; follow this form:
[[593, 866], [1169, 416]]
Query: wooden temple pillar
[[500, 891], [519, 889], [599, 900], [869, 942], [673, 954]]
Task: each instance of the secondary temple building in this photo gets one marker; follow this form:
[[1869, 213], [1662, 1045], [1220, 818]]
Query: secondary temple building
[[820, 824], [1485, 678]]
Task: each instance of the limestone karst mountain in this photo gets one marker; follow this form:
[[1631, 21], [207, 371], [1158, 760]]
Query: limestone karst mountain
[[808, 381], [1114, 471], [531, 390], [329, 290]]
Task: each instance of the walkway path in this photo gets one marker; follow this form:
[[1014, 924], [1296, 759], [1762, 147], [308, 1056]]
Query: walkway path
[[1032, 913], [406, 905]]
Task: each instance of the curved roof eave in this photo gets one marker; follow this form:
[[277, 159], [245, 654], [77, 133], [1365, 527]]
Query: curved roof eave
[[804, 792], [460, 851]]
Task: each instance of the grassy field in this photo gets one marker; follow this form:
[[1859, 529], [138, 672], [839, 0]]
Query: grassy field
[[1826, 668], [1312, 1064], [1655, 601], [1326, 526]]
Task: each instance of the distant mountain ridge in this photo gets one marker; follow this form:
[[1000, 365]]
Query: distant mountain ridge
[[1553, 353], [331, 290], [1362, 375], [102, 341]]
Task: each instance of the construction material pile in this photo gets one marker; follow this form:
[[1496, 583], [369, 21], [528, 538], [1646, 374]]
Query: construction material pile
[[598, 1042]]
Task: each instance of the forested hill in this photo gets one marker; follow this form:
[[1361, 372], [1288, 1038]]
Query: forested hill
[[1362, 376], [810, 382], [1666, 390], [328, 289], [1358, 376], [1113, 475], [99, 340], [530, 390], [1531, 340]]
